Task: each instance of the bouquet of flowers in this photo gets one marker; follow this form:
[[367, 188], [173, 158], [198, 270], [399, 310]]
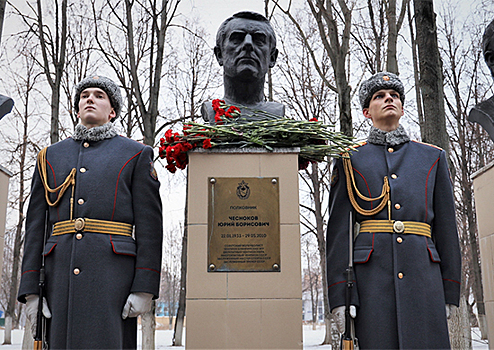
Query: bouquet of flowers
[[315, 140]]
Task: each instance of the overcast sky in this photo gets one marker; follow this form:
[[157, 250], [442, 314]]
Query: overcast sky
[[213, 12]]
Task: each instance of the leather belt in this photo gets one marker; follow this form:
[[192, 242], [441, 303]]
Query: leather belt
[[92, 225], [395, 226]]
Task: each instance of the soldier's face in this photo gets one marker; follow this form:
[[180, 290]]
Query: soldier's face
[[95, 108], [385, 110], [246, 50]]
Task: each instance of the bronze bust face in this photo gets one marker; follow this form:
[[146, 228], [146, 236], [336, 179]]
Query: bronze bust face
[[488, 46], [246, 49], [483, 113]]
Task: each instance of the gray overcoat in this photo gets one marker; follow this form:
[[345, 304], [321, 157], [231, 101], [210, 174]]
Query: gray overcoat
[[89, 276], [402, 281]]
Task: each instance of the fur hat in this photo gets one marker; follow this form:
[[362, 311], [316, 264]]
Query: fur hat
[[105, 84], [380, 81]]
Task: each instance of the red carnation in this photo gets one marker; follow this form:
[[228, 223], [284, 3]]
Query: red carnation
[[233, 111], [207, 144], [218, 119], [187, 146], [162, 152], [171, 168], [217, 104], [169, 136]]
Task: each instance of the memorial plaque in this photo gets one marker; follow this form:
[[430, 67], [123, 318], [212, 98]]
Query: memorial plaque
[[243, 225]]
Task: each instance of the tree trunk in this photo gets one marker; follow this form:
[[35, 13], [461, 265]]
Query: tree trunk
[[344, 102], [391, 62], [7, 333], [16, 254], [3, 4], [321, 246], [459, 327], [418, 96], [148, 322], [179, 321], [431, 77], [270, 75], [58, 45]]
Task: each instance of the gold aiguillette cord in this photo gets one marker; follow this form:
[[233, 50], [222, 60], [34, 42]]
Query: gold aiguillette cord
[[351, 186], [69, 181]]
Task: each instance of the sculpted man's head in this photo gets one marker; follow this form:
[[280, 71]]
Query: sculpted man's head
[[483, 113], [488, 46], [246, 49], [246, 46]]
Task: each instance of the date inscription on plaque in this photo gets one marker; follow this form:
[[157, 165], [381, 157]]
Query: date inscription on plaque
[[243, 224]]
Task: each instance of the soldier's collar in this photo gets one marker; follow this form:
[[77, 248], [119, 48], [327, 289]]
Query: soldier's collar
[[392, 138], [97, 133]]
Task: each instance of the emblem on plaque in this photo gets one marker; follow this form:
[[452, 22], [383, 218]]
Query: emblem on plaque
[[243, 190]]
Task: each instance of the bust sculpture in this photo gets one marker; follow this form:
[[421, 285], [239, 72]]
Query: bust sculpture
[[483, 113], [246, 49], [6, 104]]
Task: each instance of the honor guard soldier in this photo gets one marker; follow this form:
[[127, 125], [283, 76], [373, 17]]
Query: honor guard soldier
[[95, 196], [406, 255]]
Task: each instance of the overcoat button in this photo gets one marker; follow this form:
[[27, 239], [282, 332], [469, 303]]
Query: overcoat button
[[391, 150], [399, 240], [80, 201], [77, 271], [86, 144], [400, 275], [78, 236], [397, 206], [82, 170], [394, 176]]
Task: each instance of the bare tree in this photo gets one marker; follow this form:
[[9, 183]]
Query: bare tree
[[80, 49], [372, 30], [463, 56], [300, 87], [52, 38], [21, 153], [193, 76], [394, 26], [139, 55], [431, 76], [336, 46], [312, 277]]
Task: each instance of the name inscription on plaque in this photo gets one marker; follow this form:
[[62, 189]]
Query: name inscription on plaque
[[243, 225]]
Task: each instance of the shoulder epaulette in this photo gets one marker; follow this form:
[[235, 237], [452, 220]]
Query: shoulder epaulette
[[356, 145], [428, 144]]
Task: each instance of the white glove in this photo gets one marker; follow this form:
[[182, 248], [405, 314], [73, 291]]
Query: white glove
[[339, 316], [137, 304], [449, 310], [32, 310]]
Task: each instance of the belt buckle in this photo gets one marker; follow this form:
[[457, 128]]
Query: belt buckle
[[398, 227], [79, 224]]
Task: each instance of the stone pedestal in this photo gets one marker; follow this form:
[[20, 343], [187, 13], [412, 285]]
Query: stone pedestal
[[483, 184], [243, 310]]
